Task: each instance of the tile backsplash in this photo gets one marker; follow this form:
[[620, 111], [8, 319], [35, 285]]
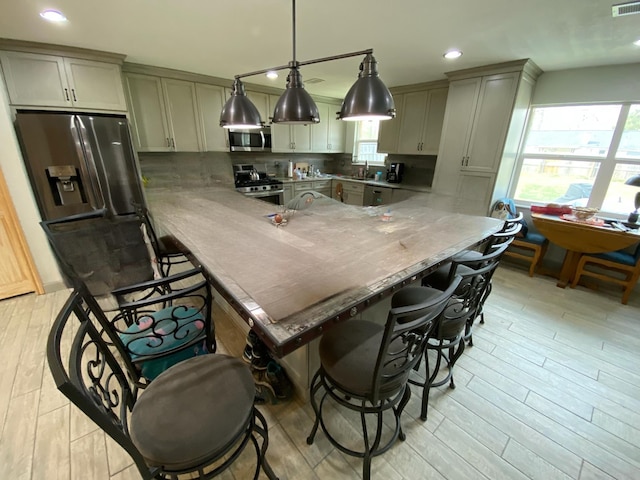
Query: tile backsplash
[[186, 169]]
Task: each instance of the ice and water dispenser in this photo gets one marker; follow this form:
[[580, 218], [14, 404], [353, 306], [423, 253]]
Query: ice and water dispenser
[[66, 185]]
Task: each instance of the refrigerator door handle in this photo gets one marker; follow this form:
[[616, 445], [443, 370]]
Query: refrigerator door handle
[[87, 165]]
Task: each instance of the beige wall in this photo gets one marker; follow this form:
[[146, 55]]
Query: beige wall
[[20, 190], [615, 83]]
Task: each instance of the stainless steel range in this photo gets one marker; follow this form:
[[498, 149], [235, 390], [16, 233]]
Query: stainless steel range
[[252, 183]]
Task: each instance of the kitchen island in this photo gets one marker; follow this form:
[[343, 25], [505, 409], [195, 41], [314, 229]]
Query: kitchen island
[[329, 262]]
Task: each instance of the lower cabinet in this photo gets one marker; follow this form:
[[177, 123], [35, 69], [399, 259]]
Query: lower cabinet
[[375, 195], [353, 193]]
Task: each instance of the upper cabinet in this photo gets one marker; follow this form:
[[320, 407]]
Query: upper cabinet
[[486, 112], [328, 136], [417, 127], [289, 138], [164, 114], [211, 99], [34, 79], [422, 117]]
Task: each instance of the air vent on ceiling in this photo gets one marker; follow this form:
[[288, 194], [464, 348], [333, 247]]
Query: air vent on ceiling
[[625, 9], [314, 80]]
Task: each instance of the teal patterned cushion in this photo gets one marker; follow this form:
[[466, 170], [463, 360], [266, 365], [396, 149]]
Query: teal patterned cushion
[[176, 329]]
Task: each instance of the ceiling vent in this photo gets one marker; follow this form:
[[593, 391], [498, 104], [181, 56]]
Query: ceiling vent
[[320, 80], [625, 9]]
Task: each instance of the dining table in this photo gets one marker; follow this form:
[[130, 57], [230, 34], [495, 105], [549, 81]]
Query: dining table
[[328, 263], [578, 237]]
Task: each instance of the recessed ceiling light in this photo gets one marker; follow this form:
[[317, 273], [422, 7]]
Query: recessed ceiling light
[[272, 74], [637, 42], [451, 54], [53, 16]]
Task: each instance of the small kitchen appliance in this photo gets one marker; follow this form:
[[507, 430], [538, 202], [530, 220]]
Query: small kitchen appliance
[[252, 183], [395, 172]]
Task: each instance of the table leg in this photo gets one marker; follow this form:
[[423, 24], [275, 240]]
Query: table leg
[[569, 267]]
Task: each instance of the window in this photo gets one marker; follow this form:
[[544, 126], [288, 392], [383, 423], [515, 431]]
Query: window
[[581, 155], [366, 143]]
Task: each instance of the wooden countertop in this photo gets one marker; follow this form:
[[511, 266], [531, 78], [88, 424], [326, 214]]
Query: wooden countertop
[[327, 264]]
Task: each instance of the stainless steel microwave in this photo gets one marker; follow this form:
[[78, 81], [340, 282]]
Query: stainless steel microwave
[[256, 140]]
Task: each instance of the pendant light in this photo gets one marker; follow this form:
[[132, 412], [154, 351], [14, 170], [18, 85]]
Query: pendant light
[[368, 98], [295, 105], [239, 112]]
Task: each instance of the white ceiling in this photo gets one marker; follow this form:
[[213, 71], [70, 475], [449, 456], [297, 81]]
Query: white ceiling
[[224, 38]]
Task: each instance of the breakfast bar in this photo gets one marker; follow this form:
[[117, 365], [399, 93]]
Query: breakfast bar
[[327, 264]]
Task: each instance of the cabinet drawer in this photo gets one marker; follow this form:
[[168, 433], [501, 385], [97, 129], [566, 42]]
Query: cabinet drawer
[[302, 186], [353, 187], [321, 184]]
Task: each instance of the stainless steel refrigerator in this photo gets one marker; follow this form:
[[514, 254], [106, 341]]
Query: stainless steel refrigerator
[[80, 162], [85, 164]]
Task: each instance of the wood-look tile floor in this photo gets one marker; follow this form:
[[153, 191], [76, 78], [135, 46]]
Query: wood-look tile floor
[[550, 390]]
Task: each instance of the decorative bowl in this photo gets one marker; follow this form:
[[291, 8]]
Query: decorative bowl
[[584, 213]]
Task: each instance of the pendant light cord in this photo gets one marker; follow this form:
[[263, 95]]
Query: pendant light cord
[[294, 33]]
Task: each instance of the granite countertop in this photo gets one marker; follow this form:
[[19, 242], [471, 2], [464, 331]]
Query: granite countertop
[[328, 263]]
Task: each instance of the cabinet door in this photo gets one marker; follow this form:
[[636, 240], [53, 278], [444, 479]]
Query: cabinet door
[[320, 131], [328, 136], [301, 136], [389, 129], [475, 190], [337, 130], [34, 79], [281, 138], [149, 119], [95, 84], [210, 102], [493, 113], [433, 122], [460, 110], [181, 108], [261, 101], [411, 126]]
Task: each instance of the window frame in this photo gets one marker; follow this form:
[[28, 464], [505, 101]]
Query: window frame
[[355, 160], [606, 164]]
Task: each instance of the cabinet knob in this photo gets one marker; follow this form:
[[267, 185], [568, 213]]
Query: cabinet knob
[[73, 92], [66, 94]]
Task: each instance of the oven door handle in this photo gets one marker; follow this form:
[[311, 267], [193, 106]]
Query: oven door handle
[[266, 193]]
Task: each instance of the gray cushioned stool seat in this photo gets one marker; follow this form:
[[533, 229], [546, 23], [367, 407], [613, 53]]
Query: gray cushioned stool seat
[[193, 410], [440, 278], [348, 354]]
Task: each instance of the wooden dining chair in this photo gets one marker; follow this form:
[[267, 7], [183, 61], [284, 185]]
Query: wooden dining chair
[[619, 267], [528, 246]]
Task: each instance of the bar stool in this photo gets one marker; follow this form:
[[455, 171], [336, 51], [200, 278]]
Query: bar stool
[[195, 419], [452, 326], [364, 367], [467, 265], [167, 250]]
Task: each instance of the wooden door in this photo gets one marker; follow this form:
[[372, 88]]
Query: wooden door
[[17, 271]]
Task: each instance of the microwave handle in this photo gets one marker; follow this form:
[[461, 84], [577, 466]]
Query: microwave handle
[[262, 138]]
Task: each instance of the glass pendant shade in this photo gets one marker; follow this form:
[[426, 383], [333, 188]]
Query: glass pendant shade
[[368, 98], [239, 112], [295, 105]]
